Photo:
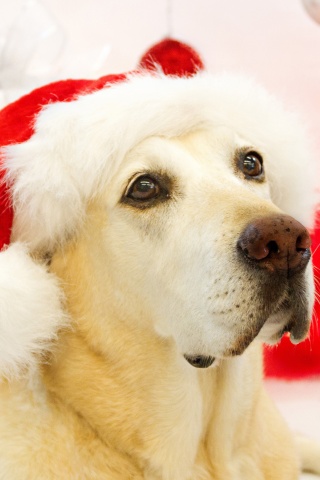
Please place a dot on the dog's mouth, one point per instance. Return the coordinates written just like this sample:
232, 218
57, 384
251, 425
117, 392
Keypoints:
287, 313
291, 318
205, 361
200, 361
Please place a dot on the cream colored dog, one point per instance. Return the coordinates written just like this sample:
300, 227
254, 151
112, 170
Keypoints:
170, 237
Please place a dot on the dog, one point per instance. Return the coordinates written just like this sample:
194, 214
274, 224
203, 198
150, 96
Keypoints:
167, 216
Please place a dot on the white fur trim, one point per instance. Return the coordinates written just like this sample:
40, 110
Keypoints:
79, 145
30, 310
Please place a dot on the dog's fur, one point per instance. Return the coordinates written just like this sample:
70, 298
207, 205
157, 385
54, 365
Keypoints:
115, 398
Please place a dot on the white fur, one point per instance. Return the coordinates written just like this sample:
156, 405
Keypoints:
183, 258
78, 145
30, 310
77, 148
155, 266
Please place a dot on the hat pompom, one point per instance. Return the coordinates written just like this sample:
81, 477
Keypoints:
31, 310
174, 57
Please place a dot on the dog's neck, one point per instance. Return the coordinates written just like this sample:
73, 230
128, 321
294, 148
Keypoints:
129, 384
119, 375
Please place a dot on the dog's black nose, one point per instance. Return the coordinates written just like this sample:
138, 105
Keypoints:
278, 243
199, 361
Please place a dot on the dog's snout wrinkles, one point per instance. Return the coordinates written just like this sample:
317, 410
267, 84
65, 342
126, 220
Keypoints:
277, 243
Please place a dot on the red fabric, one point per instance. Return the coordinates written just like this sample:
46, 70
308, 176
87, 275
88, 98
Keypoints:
17, 126
175, 58
6, 217
289, 361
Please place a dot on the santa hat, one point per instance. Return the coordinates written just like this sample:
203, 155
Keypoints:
62, 142
31, 302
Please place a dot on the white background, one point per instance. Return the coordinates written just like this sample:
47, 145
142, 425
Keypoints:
273, 40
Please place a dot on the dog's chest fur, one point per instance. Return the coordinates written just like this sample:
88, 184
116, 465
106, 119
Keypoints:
160, 413
133, 388
162, 423
117, 401
153, 412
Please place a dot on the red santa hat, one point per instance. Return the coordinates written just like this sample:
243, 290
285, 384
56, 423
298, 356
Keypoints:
31, 302
60, 144
31, 311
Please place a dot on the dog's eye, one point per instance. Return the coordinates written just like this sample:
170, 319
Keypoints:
251, 164
144, 188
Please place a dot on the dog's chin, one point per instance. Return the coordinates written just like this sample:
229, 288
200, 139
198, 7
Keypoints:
200, 361
209, 361
289, 316
270, 333
274, 329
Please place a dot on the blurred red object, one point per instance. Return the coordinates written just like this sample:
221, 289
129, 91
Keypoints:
174, 57
289, 361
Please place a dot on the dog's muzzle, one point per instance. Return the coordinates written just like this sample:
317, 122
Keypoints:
278, 247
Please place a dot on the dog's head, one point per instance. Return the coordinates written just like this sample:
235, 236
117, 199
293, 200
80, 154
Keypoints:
201, 184
212, 259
